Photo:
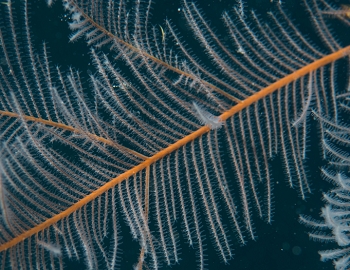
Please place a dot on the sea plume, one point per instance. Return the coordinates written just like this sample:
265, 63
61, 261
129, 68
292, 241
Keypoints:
93, 161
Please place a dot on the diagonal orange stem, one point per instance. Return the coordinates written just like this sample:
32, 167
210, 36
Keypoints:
173, 147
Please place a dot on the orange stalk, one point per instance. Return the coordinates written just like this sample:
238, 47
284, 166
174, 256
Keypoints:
178, 144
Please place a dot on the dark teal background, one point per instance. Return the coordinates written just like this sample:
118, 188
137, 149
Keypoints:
274, 248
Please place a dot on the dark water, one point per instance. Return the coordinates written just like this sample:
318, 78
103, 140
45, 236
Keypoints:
282, 245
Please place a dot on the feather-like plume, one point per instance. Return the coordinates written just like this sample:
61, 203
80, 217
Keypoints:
122, 150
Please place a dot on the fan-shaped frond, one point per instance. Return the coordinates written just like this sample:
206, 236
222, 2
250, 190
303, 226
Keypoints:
145, 141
